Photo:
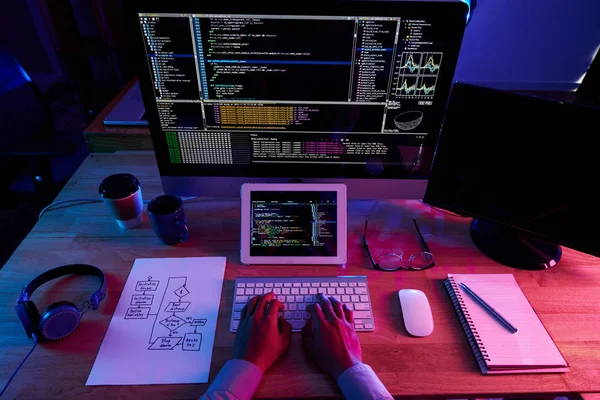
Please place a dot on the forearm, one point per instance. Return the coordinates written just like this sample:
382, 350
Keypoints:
237, 380
359, 382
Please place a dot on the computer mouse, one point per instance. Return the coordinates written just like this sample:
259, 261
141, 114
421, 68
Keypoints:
416, 312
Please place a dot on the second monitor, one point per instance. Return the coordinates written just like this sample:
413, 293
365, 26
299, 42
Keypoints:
338, 91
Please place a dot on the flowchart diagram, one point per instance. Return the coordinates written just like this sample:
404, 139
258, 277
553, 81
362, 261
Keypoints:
172, 328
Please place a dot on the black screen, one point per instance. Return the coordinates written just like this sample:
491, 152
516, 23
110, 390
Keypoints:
297, 95
522, 161
293, 224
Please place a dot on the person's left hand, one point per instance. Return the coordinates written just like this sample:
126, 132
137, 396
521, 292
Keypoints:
262, 337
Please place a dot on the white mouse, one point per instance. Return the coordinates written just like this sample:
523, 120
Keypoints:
416, 312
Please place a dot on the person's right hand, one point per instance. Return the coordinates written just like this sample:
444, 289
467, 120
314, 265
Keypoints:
329, 336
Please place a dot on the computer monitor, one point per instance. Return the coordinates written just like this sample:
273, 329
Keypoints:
526, 168
335, 91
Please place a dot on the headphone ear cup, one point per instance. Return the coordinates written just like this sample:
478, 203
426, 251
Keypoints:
59, 320
29, 316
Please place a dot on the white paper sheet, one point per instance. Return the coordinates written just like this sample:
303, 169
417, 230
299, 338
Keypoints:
163, 329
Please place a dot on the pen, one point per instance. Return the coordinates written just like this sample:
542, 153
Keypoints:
491, 310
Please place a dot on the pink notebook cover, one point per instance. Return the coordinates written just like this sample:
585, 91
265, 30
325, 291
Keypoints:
498, 351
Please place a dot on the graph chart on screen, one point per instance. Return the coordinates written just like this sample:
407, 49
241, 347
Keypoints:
418, 73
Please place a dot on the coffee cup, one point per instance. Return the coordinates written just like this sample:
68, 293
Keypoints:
168, 219
122, 195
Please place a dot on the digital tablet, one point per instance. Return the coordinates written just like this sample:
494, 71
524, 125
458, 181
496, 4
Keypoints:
293, 223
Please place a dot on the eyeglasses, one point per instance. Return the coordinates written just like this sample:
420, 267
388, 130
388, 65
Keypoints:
394, 261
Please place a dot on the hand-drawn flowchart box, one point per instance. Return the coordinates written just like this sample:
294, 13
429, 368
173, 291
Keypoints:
177, 306
137, 313
146, 286
142, 299
192, 341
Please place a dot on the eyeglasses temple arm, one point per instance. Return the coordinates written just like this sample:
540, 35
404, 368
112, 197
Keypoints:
367, 244
423, 241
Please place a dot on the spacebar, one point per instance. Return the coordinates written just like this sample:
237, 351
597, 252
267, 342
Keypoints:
297, 324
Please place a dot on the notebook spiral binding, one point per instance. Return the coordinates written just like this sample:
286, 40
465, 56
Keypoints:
469, 328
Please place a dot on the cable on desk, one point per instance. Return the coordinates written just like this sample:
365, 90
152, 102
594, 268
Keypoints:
50, 207
35, 342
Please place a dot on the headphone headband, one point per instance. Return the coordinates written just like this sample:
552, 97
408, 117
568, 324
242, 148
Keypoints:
81, 269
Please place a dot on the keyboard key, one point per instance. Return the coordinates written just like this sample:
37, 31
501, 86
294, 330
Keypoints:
329, 290
304, 291
281, 299
305, 284
269, 284
285, 291
290, 299
297, 284
364, 298
236, 315
292, 307
278, 284
260, 285
359, 326
345, 299
322, 290
295, 291
361, 306
238, 306
343, 284
339, 290
352, 284
241, 285
360, 290
298, 315
362, 284
258, 291
299, 299
309, 299
324, 284
249, 284
368, 326
240, 291
358, 321
277, 290
338, 298
287, 284
354, 299
349, 290
234, 324
289, 315
241, 299
306, 315
301, 307
363, 314
249, 292
312, 290
333, 284
314, 284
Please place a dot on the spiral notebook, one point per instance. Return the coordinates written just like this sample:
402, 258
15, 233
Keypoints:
498, 351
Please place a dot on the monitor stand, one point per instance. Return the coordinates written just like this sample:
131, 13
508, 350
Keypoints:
514, 247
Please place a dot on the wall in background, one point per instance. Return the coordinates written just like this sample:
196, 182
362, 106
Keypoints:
530, 44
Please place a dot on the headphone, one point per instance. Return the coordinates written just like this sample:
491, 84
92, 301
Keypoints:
60, 319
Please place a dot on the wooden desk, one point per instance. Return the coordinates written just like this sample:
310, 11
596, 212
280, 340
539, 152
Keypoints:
102, 138
567, 298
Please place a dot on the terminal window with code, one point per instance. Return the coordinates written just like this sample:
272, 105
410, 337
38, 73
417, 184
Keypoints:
259, 90
293, 224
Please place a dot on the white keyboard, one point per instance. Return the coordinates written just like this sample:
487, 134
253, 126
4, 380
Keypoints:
297, 292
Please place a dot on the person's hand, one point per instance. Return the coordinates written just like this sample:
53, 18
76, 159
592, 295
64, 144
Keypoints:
329, 336
261, 337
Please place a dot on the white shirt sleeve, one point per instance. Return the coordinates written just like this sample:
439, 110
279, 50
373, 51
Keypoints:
359, 382
237, 380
